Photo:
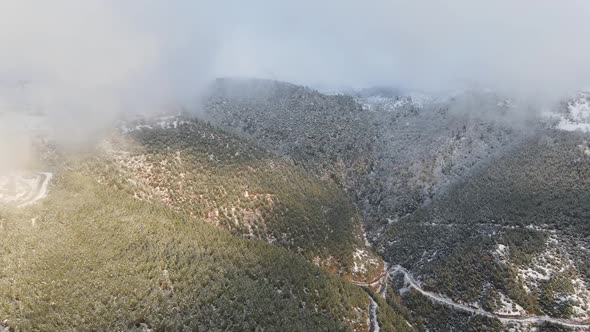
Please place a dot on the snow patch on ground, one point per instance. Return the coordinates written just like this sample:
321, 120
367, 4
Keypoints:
585, 148
359, 261
389, 104
580, 300
501, 253
543, 266
552, 261
509, 307
576, 116
361, 258
162, 122
23, 189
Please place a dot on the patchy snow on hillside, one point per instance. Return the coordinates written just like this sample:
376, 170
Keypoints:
585, 148
14, 188
362, 260
576, 117
507, 307
359, 261
501, 253
389, 104
23, 189
543, 266
553, 262
161, 122
580, 300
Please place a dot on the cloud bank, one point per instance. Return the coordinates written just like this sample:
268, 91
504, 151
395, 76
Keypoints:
85, 62
126, 53
533, 49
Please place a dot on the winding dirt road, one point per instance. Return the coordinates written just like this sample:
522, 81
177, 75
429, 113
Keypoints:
409, 279
21, 189
40, 191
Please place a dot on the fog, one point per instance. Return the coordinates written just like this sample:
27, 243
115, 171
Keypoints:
85, 62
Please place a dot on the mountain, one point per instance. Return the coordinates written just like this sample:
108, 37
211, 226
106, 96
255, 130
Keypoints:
172, 224
276, 207
215, 176
93, 257
392, 161
516, 227
482, 204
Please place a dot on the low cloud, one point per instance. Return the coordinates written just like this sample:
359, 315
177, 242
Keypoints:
85, 62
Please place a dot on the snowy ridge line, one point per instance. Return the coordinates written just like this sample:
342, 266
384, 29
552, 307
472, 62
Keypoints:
409, 279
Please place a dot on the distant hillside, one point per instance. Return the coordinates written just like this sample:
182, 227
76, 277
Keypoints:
392, 161
329, 134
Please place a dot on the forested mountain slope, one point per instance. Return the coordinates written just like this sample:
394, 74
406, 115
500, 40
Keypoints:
483, 207
209, 174
517, 227
328, 135
392, 160
172, 224
95, 258
263, 211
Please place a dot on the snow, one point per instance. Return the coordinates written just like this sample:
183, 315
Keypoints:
584, 148
162, 122
411, 282
24, 189
543, 266
42, 190
373, 103
568, 125
556, 260
580, 300
359, 257
580, 108
533, 275
509, 307
576, 116
501, 253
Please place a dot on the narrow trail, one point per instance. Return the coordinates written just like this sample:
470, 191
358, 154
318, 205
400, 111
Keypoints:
409, 279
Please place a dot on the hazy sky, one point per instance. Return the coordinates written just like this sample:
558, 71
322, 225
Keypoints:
98, 56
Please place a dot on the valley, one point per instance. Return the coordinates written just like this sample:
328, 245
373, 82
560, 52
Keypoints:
402, 216
269, 166
409, 169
